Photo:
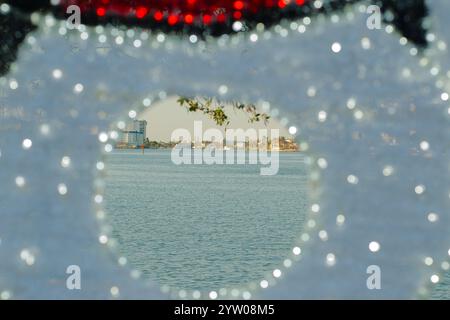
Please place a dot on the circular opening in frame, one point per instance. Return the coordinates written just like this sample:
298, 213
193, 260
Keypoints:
204, 195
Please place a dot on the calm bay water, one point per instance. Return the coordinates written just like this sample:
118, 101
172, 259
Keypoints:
200, 226
442, 290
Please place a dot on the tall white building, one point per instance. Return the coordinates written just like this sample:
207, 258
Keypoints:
134, 134
141, 127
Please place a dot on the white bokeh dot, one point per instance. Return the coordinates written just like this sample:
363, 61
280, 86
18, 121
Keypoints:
315, 208
57, 74
100, 165
276, 273
114, 291
330, 259
374, 246
336, 47
103, 239
78, 88
434, 278
340, 219
419, 189
223, 89
62, 189
213, 295
65, 162
27, 143
20, 181
103, 137
428, 261
432, 217
132, 114
424, 146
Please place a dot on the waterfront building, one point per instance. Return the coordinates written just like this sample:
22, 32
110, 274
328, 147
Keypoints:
133, 135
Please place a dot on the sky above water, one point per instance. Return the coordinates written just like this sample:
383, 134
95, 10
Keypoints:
163, 117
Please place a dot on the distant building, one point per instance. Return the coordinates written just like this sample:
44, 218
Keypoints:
133, 135
122, 139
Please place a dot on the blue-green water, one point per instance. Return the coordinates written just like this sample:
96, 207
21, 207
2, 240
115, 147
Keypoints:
201, 226
442, 290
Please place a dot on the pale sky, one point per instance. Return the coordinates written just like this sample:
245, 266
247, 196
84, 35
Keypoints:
165, 116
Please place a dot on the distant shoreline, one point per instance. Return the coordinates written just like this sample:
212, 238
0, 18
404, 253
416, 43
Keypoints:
284, 145
137, 148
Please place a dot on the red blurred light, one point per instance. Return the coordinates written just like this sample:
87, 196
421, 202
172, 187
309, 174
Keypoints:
221, 18
238, 5
173, 19
158, 16
181, 11
207, 19
189, 18
101, 11
141, 12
